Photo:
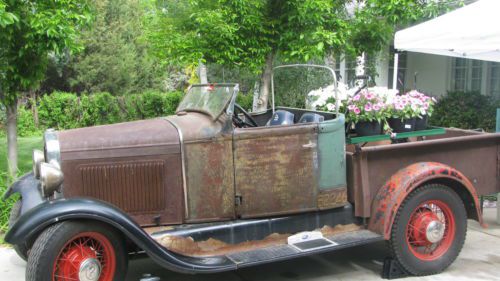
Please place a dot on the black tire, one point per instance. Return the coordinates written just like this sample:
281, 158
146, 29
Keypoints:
50, 244
21, 249
403, 252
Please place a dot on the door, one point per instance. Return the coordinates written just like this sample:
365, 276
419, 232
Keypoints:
276, 169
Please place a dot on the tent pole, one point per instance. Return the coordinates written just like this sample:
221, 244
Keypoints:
395, 73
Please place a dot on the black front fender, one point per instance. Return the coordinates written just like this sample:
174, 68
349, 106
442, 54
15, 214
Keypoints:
32, 223
28, 187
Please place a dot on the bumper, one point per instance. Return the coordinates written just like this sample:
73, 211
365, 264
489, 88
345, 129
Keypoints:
28, 187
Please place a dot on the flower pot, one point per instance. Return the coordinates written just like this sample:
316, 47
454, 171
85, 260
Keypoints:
366, 128
421, 123
402, 126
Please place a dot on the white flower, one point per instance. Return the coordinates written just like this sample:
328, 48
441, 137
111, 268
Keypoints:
330, 106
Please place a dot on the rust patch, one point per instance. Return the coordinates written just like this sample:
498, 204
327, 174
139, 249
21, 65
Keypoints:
213, 247
210, 184
275, 170
333, 198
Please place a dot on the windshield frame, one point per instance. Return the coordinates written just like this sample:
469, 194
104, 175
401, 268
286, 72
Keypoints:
228, 105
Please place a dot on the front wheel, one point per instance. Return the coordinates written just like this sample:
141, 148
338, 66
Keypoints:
429, 230
77, 251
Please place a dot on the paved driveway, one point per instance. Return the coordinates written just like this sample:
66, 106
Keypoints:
479, 260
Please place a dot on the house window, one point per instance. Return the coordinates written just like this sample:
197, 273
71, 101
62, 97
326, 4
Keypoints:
402, 58
494, 79
467, 75
350, 69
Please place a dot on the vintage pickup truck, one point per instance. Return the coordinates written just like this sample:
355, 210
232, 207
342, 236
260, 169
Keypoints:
215, 188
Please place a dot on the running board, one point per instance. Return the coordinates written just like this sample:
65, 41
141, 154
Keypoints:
303, 248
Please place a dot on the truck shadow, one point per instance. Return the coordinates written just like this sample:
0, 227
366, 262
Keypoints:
354, 263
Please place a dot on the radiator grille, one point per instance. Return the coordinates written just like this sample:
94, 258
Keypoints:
136, 187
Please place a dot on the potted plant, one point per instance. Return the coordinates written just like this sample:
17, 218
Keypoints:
367, 111
425, 108
403, 112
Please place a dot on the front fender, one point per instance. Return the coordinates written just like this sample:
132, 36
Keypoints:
28, 187
392, 194
39, 218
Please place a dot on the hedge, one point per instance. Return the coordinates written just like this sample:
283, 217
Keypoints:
62, 110
466, 110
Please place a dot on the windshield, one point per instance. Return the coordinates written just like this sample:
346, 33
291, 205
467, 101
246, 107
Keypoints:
209, 99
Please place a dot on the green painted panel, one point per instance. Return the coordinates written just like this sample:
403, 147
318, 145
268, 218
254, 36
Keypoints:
331, 150
498, 120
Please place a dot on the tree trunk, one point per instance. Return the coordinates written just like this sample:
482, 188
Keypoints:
202, 72
12, 137
265, 86
34, 108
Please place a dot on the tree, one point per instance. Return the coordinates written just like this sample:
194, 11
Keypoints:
115, 58
33, 29
253, 33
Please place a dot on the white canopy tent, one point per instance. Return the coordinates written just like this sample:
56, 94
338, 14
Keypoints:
471, 32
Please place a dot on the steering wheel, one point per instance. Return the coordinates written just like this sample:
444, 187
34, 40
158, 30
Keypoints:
240, 123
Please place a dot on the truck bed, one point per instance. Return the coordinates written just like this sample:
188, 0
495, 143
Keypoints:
475, 154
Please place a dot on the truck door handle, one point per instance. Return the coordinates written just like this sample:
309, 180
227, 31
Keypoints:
309, 145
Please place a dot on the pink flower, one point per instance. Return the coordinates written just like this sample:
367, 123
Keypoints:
356, 97
357, 111
376, 107
351, 107
368, 107
399, 106
369, 96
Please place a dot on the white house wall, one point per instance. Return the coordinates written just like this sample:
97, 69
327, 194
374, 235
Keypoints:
433, 73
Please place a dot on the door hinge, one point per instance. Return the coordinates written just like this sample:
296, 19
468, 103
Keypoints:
238, 200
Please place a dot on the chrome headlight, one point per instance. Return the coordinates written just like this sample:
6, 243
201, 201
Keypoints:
51, 177
38, 158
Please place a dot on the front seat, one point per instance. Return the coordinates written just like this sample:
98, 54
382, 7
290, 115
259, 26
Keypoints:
281, 117
310, 117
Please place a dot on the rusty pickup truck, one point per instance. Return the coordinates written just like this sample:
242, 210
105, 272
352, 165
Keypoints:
215, 188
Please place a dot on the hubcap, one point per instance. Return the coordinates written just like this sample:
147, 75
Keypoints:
435, 231
90, 270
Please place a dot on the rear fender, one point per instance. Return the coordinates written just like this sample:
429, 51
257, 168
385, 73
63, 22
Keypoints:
390, 197
31, 224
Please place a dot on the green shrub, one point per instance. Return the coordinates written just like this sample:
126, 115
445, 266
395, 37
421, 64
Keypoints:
151, 104
99, 109
466, 110
6, 205
59, 110
245, 100
26, 123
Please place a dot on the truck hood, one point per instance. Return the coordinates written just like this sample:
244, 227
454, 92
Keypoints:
138, 138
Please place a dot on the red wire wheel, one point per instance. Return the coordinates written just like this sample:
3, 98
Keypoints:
87, 256
431, 229
78, 251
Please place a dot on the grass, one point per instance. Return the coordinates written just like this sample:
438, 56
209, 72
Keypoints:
25, 147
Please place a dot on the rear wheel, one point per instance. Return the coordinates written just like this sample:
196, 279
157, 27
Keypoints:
77, 251
15, 213
429, 230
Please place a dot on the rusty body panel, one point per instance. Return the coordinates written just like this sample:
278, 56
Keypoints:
276, 169
401, 184
139, 173
471, 153
209, 172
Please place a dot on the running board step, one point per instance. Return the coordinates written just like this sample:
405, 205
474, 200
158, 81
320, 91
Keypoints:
304, 248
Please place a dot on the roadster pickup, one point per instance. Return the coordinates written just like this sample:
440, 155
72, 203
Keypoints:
216, 188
